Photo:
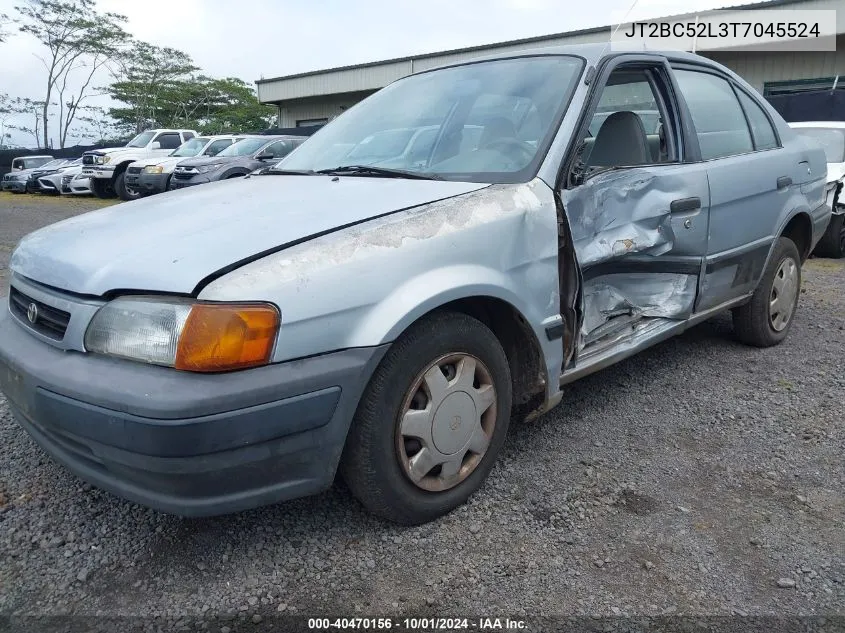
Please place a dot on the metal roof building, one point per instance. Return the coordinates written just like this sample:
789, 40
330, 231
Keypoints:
315, 97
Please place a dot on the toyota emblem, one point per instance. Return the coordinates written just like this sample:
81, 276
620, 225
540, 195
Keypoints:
32, 313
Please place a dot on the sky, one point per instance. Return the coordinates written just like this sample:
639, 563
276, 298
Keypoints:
251, 39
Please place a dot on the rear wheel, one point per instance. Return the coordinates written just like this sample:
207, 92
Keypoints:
431, 421
124, 191
101, 188
832, 243
765, 320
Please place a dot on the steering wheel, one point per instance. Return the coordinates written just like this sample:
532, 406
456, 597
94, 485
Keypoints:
505, 143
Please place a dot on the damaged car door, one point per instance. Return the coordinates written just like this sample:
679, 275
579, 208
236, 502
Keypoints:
637, 212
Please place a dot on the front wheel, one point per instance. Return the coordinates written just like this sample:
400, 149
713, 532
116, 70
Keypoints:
101, 188
124, 191
765, 320
431, 421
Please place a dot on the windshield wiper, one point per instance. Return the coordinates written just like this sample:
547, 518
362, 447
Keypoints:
270, 171
366, 170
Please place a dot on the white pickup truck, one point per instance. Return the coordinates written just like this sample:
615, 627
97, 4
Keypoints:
107, 167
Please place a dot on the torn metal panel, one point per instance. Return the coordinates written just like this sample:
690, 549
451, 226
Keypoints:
634, 295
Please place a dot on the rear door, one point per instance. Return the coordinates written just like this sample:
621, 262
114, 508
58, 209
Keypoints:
637, 206
750, 175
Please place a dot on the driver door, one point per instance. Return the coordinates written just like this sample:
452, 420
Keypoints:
637, 210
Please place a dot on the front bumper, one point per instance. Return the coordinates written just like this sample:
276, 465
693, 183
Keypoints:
98, 171
13, 185
152, 183
179, 183
184, 443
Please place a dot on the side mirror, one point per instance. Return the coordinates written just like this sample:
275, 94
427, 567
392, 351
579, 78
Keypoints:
265, 156
209, 152
155, 145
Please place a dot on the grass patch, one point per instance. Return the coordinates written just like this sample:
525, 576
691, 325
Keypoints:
7, 198
822, 263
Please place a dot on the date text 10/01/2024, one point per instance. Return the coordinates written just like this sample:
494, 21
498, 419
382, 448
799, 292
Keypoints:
417, 624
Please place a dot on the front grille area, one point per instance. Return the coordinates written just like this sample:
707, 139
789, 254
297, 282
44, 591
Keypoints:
50, 322
133, 170
87, 159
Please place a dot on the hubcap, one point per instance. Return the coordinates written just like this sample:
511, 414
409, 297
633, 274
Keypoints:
784, 293
446, 422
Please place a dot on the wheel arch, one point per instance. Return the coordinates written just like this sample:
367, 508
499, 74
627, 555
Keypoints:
799, 228
521, 343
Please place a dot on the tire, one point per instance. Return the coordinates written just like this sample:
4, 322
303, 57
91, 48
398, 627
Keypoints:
377, 459
124, 193
755, 323
832, 243
101, 189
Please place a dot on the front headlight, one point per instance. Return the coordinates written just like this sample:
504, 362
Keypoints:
153, 169
106, 159
185, 334
204, 169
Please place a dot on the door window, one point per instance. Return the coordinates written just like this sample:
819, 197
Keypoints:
762, 132
217, 146
718, 118
627, 126
169, 140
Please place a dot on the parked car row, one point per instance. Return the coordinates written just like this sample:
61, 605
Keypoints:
47, 175
158, 160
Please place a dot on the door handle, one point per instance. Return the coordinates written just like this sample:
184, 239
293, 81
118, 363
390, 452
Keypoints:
685, 204
784, 182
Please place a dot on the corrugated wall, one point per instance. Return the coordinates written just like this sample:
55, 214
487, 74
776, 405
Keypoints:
758, 67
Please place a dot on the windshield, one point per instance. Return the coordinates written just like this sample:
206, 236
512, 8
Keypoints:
141, 140
190, 148
482, 122
30, 163
244, 146
53, 163
832, 140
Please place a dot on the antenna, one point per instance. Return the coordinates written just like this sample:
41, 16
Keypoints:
624, 19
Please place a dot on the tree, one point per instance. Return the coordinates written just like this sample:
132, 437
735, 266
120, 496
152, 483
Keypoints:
4, 22
212, 105
99, 127
149, 77
31, 108
234, 107
80, 41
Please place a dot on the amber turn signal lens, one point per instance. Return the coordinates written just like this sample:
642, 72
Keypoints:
221, 337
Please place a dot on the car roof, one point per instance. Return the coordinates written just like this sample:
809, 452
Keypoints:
823, 124
592, 53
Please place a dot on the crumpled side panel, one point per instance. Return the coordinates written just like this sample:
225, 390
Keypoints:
626, 214
664, 295
621, 213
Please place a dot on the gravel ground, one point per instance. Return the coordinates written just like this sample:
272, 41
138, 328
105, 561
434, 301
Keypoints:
700, 477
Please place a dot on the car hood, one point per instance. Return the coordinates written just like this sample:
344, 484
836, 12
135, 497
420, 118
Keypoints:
111, 150
210, 160
171, 242
155, 160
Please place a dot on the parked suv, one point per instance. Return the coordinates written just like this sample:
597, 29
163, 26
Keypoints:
152, 175
390, 320
241, 158
107, 167
29, 162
